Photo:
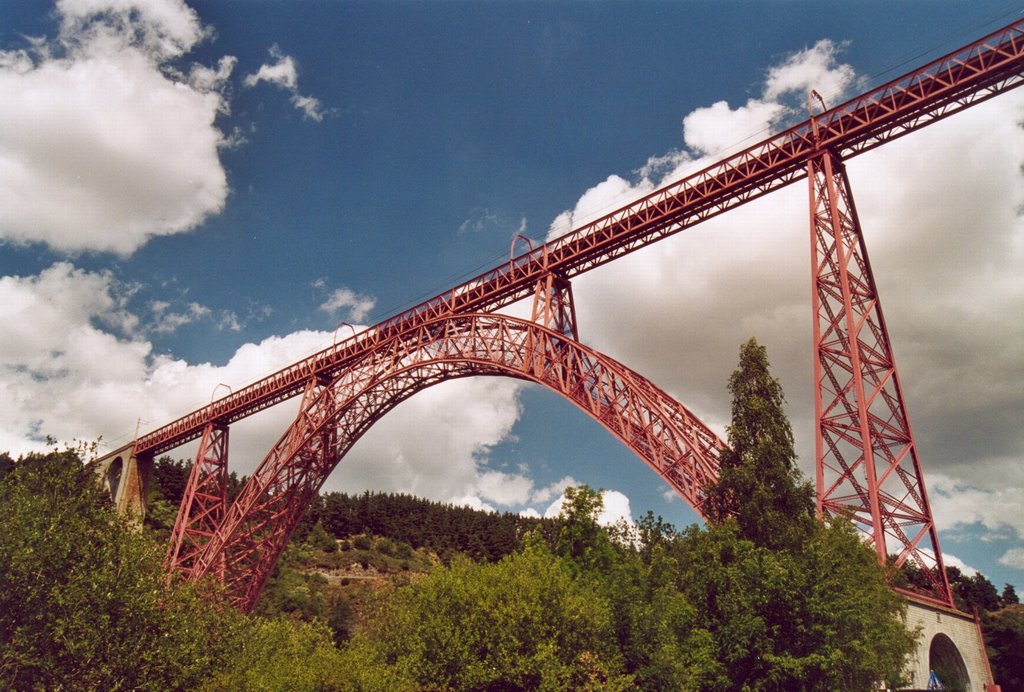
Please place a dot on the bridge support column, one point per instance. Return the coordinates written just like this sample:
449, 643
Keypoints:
204, 503
126, 478
951, 646
866, 459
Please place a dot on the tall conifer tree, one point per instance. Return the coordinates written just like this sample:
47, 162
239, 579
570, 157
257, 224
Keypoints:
759, 483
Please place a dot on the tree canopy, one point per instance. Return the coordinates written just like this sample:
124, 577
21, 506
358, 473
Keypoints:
84, 602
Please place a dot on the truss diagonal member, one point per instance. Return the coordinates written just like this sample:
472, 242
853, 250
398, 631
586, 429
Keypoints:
662, 432
204, 503
864, 443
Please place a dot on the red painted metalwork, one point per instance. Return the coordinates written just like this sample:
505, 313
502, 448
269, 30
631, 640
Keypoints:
662, 432
203, 505
867, 465
967, 76
868, 468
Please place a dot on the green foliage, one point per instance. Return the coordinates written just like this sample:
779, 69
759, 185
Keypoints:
1004, 636
84, 602
580, 538
319, 539
170, 478
819, 618
444, 529
759, 483
970, 592
81, 597
1009, 595
523, 623
279, 655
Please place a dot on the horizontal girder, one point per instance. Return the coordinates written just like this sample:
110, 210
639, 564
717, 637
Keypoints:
956, 81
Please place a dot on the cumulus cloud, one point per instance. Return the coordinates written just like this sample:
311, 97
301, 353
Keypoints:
1014, 557
284, 73
959, 503
940, 210
713, 131
165, 29
104, 146
814, 68
345, 302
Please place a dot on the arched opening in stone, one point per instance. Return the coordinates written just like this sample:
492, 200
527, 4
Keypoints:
945, 661
113, 477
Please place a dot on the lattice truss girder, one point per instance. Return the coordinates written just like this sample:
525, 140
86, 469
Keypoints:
969, 75
867, 464
204, 503
333, 416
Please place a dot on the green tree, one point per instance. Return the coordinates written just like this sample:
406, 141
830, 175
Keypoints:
278, 655
791, 604
84, 602
580, 538
525, 622
759, 484
81, 597
1009, 595
1004, 636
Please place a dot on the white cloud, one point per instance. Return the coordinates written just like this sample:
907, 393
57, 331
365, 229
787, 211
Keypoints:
165, 28
103, 147
1014, 557
812, 68
718, 128
73, 364
356, 306
543, 495
958, 504
953, 561
604, 197
284, 73
166, 321
311, 107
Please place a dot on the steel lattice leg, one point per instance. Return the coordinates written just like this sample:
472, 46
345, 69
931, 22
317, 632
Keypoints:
204, 504
867, 465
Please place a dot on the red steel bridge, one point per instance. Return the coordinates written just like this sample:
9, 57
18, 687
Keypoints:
867, 465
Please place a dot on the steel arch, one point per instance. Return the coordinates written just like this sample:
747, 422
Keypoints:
335, 414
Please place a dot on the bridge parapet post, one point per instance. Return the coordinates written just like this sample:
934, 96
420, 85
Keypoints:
126, 477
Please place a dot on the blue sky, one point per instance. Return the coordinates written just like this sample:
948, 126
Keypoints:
194, 195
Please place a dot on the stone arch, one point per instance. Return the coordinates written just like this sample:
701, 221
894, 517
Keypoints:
334, 415
112, 478
945, 660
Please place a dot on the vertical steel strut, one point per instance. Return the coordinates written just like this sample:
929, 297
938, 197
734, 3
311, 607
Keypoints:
203, 505
867, 468
553, 306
